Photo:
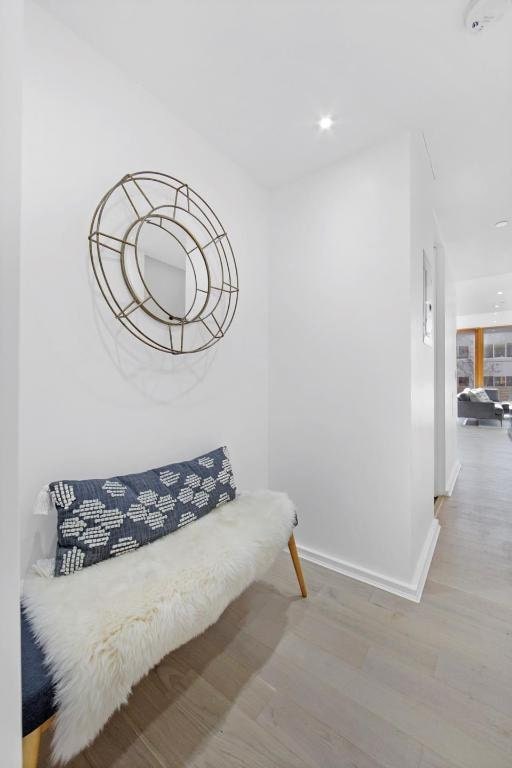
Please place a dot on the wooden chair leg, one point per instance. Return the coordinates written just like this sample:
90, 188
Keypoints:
31, 743
296, 564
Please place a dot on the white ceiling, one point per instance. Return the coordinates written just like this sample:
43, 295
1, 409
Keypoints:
254, 76
481, 295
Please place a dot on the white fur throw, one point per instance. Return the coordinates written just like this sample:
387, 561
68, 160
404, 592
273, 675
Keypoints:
103, 628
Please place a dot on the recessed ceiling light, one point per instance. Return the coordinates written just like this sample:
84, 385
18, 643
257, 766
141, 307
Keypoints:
496, 306
502, 223
325, 123
500, 293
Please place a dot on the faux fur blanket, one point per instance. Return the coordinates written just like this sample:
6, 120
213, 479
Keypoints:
102, 629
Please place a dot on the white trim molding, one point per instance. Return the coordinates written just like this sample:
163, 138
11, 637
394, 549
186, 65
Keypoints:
409, 590
453, 478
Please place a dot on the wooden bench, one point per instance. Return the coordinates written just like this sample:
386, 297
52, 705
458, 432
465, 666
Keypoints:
37, 694
38, 704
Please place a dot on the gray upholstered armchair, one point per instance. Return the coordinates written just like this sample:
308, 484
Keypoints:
468, 409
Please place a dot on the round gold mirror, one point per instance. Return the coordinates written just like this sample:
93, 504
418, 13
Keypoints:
164, 263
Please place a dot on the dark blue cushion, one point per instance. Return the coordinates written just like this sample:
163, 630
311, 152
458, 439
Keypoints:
37, 686
98, 519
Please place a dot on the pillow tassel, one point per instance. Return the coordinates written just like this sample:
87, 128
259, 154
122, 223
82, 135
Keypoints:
44, 504
44, 567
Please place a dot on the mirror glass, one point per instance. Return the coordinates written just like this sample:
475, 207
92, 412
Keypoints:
163, 262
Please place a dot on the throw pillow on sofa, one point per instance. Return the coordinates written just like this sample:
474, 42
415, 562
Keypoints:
479, 395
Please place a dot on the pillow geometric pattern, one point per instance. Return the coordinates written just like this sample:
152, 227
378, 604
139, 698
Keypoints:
98, 519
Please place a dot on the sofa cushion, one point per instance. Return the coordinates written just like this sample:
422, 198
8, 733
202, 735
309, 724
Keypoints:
493, 394
479, 395
98, 519
464, 395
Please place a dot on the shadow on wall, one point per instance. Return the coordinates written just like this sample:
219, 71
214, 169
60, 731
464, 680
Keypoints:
145, 369
161, 378
182, 704
43, 537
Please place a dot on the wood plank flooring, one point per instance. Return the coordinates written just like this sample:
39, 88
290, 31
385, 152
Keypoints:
352, 676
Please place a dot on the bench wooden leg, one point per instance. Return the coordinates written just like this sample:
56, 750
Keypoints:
31, 743
296, 564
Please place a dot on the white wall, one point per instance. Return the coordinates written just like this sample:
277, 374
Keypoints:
452, 460
11, 43
344, 353
422, 427
351, 381
485, 319
93, 401
447, 464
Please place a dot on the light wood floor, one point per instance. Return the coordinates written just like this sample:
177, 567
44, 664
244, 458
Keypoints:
352, 677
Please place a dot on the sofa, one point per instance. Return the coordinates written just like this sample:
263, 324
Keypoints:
478, 409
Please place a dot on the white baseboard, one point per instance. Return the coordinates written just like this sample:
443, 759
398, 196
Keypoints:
453, 478
409, 590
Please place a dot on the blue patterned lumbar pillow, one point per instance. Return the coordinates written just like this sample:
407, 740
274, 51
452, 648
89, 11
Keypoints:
98, 519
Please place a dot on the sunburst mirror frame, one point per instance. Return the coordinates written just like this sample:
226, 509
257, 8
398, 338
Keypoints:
157, 199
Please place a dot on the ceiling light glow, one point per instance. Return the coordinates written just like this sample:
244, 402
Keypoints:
325, 123
500, 293
502, 223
